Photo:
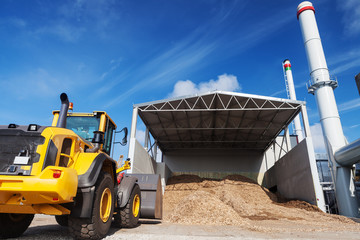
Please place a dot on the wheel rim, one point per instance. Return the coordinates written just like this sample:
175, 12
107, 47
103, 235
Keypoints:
136, 205
105, 205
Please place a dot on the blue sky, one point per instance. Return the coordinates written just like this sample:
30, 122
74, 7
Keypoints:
109, 55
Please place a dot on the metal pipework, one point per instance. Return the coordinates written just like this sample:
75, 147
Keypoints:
349, 154
322, 87
290, 81
97, 141
63, 111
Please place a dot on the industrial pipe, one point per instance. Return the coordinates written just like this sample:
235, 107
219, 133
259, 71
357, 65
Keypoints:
349, 154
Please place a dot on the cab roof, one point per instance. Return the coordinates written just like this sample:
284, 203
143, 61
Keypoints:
94, 113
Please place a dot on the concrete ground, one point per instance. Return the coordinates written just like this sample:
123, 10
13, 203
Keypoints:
45, 227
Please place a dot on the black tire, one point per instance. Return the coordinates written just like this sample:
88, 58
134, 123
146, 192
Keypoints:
128, 217
95, 227
14, 225
62, 220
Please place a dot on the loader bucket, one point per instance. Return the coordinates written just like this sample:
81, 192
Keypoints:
151, 195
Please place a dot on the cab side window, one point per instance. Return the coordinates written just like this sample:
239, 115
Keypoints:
108, 137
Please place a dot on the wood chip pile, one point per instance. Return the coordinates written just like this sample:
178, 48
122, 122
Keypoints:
239, 201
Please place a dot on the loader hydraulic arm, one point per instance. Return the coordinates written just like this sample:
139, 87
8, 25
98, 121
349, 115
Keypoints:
126, 166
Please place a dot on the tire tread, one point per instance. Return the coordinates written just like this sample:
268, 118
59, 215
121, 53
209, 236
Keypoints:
12, 229
85, 228
126, 218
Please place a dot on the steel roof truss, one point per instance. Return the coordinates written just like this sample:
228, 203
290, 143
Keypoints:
222, 118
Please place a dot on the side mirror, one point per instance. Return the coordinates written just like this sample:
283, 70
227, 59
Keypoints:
124, 140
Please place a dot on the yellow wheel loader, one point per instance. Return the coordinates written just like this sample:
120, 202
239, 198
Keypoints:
66, 170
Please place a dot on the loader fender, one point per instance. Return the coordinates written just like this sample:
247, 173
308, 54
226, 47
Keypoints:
125, 188
86, 186
89, 178
83, 202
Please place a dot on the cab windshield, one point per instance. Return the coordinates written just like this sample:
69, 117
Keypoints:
83, 126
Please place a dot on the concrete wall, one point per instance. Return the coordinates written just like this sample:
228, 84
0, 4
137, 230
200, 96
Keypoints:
278, 150
294, 175
214, 163
165, 173
140, 160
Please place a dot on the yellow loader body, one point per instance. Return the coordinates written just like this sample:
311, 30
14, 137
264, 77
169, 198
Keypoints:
65, 170
44, 187
38, 194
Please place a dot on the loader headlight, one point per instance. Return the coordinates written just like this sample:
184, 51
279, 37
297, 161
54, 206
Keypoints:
33, 127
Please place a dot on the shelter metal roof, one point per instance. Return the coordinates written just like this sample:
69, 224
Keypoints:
218, 120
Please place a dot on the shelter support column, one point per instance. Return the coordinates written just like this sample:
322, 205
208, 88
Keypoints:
131, 153
134, 122
287, 137
305, 121
146, 140
155, 150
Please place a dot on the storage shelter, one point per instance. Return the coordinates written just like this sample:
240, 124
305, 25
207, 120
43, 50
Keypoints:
220, 133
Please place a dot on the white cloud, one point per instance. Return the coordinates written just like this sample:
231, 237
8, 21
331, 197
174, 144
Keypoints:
345, 61
95, 16
71, 20
37, 82
140, 136
189, 53
349, 105
224, 82
115, 64
350, 64
355, 126
351, 19
318, 138
280, 92
352, 54
18, 22
183, 88
64, 31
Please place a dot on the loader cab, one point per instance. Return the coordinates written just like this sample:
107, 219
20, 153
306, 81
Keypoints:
85, 124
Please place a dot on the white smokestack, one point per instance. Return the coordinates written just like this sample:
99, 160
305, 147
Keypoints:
290, 82
321, 86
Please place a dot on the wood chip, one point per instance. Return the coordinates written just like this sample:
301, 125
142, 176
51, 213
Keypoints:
239, 201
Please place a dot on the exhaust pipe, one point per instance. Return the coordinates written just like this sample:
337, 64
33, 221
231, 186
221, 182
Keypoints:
97, 141
63, 111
